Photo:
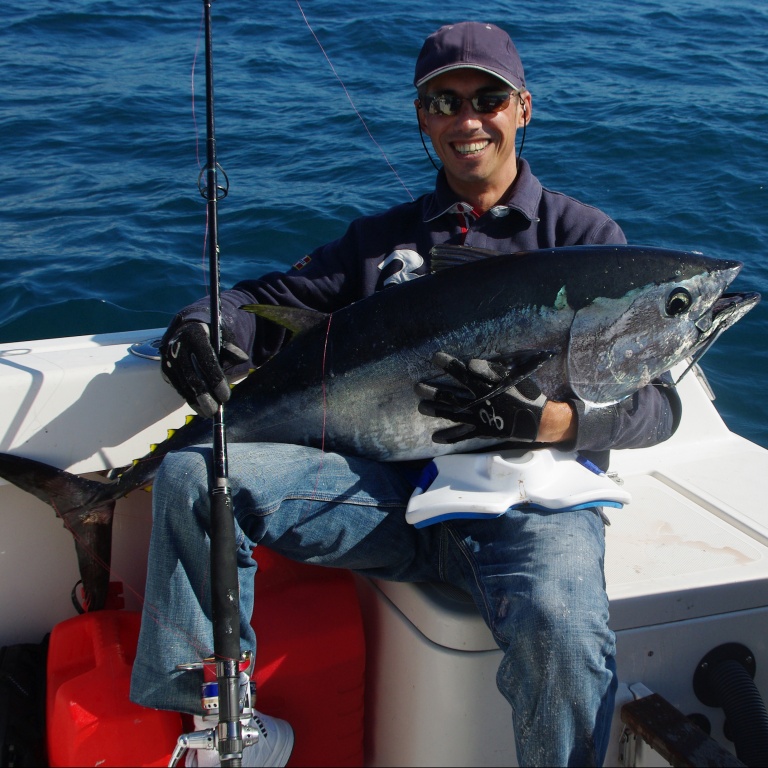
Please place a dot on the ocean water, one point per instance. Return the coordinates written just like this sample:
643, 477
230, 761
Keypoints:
655, 111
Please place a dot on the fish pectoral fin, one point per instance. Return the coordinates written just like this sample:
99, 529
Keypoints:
520, 365
295, 319
523, 363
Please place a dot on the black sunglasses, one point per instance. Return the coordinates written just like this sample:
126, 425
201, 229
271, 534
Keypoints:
449, 104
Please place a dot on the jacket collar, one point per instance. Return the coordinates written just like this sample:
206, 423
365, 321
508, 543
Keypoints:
524, 197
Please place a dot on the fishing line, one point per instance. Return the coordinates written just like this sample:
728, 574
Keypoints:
325, 415
405, 187
192, 86
402, 183
322, 372
351, 101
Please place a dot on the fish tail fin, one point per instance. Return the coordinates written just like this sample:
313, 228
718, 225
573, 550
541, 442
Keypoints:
86, 508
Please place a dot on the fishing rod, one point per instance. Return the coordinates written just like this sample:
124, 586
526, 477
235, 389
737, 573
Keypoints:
225, 592
229, 737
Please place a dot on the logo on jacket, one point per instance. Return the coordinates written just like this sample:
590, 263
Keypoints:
408, 262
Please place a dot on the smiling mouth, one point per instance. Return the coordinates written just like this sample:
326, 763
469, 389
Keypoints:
472, 148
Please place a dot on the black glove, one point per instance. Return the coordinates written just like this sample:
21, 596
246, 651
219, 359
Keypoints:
189, 365
493, 402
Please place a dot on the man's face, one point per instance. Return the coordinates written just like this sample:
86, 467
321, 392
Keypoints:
477, 150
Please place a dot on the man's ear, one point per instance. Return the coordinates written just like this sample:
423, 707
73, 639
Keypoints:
421, 116
524, 111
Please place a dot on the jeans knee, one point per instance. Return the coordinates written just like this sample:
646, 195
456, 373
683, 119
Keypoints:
181, 482
188, 467
555, 648
551, 623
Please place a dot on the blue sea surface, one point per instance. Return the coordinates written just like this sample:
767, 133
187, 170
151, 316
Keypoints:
654, 111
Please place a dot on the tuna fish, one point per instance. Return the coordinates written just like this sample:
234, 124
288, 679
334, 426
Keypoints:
611, 319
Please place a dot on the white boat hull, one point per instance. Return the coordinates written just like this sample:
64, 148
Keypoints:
686, 567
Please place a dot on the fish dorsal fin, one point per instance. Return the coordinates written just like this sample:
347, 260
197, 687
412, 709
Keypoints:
445, 256
294, 319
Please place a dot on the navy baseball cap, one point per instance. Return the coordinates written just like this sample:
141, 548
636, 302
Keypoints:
472, 45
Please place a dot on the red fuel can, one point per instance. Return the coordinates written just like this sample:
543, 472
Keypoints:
310, 665
89, 719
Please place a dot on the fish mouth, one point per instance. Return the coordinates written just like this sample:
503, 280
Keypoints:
725, 312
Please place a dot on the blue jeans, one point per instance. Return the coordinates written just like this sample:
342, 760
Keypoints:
536, 577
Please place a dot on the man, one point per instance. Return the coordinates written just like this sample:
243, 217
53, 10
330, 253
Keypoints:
537, 578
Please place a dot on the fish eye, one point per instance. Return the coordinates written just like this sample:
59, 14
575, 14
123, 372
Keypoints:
678, 301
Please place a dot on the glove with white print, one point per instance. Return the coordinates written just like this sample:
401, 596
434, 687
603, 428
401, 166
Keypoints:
188, 363
485, 406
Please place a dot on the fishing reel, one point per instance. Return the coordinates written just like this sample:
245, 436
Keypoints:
211, 738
